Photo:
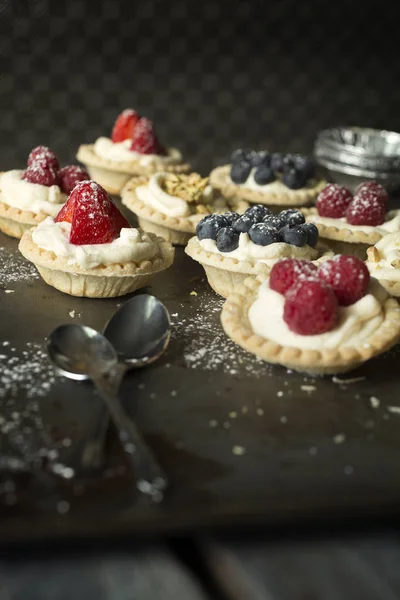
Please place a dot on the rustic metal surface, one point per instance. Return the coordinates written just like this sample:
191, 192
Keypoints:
242, 442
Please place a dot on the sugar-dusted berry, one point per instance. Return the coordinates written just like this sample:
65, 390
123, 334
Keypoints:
263, 235
367, 208
44, 156
372, 186
287, 272
41, 174
125, 125
333, 201
310, 308
227, 239
348, 277
209, 226
71, 175
144, 138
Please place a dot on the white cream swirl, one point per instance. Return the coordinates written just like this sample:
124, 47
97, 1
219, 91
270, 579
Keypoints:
248, 250
32, 197
120, 152
388, 264
132, 245
356, 323
391, 224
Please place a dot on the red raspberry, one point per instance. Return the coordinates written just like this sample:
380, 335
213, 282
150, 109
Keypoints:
372, 186
367, 208
71, 175
44, 156
286, 272
40, 173
348, 277
144, 138
310, 308
333, 201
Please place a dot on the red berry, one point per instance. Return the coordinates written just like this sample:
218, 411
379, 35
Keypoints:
310, 308
93, 216
44, 156
125, 125
71, 175
367, 208
144, 139
372, 186
286, 272
333, 201
40, 173
348, 277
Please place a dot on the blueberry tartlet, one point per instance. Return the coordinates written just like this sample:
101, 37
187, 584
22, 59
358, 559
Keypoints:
133, 149
322, 320
231, 247
172, 204
276, 180
350, 223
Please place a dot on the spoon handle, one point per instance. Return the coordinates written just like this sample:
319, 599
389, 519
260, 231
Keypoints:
151, 480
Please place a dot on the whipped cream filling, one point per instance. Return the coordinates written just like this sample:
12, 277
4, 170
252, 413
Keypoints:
275, 186
132, 245
248, 250
356, 323
388, 265
391, 224
153, 195
32, 197
120, 152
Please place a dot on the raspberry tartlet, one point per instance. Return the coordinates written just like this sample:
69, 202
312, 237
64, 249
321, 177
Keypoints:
231, 247
29, 196
90, 249
277, 180
133, 149
319, 321
349, 223
171, 204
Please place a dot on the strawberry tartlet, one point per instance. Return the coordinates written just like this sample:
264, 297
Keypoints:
320, 321
89, 249
350, 223
133, 149
29, 196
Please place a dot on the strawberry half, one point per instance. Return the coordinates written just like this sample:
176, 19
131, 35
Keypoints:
93, 216
125, 125
145, 140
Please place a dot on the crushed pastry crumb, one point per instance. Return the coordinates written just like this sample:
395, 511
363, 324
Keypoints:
238, 450
375, 402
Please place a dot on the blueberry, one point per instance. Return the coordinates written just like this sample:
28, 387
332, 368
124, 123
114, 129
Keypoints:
288, 161
243, 224
261, 158
263, 175
240, 171
208, 227
305, 165
227, 239
277, 162
296, 236
293, 179
311, 232
231, 217
239, 156
263, 235
291, 217
258, 212
274, 221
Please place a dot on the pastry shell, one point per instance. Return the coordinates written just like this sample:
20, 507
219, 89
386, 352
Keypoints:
224, 274
392, 286
98, 282
220, 179
14, 221
235, 321
113, 175
177, 230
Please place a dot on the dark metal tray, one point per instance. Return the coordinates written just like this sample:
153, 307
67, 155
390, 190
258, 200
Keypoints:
242, 442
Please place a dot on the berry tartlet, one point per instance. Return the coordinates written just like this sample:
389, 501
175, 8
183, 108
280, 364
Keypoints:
133, 149
384, 262
276, 180
29, 196
90, 249
231, 247
171, 204
319, 321
349, 223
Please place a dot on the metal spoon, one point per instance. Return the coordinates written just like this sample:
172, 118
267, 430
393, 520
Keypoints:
80, 352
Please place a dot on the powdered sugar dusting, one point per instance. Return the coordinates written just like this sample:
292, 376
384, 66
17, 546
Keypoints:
205, 345
14, 268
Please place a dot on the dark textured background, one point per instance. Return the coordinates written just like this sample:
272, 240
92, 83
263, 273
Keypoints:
213, 74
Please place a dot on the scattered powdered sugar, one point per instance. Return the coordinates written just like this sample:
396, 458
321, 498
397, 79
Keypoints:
207, 347
14, 268
28, 371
